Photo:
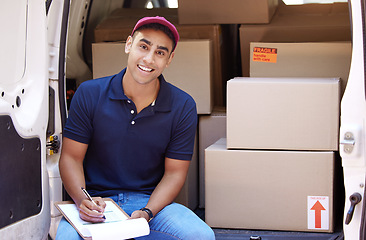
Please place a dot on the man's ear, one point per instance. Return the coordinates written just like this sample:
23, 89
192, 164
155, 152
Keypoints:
170, 59
128, 44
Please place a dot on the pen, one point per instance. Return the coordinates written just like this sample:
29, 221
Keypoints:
89, 197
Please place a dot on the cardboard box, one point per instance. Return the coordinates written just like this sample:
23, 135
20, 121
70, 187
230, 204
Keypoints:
304, 23
210, 129
283, 113
188, 196
226, 12
190, 70
321, 59
312, 8
269, 190
118, 26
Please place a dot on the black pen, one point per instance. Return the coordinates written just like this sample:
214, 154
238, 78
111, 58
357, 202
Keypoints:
90, 198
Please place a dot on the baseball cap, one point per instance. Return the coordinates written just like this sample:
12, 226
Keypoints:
159, 20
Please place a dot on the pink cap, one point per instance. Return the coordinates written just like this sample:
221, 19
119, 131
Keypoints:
159, 20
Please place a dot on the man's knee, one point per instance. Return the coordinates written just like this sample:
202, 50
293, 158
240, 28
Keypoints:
203, 233
66, 232
199, 230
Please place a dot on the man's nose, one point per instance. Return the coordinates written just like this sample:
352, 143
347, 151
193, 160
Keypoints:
149, 57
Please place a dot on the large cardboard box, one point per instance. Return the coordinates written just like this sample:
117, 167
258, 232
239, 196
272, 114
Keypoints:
269, 190
304, 23
226, 11
283, 113
319, 59
210, 129
190, 70
118, 26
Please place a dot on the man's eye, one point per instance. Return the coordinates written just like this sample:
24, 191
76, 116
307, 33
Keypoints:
161, 53
143, 47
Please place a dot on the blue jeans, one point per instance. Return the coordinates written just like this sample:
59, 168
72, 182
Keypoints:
175, 221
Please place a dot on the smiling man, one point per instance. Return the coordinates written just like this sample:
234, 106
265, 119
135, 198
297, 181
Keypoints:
130, 137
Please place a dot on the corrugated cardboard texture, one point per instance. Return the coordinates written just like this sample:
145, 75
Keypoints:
266, 189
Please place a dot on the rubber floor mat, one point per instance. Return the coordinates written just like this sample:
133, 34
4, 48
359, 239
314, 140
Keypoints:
227, 234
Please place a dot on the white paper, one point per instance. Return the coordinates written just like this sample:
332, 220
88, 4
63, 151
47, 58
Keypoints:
120, 230
116, 226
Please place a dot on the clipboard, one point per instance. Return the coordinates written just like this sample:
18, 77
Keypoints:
116, 226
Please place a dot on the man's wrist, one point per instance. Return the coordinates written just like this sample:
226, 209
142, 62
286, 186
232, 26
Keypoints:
149, 212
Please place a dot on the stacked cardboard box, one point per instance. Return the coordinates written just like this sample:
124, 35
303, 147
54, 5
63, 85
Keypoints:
283, 113
301, 59
275, 170
297, 23
269, 190
226, 12
210, 129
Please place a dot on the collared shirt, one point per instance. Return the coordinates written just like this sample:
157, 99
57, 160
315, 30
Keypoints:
126, 150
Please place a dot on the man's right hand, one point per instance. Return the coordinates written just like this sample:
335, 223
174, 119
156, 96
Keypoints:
90, 212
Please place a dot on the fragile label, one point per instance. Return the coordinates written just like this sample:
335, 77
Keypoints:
318, 212
263, 54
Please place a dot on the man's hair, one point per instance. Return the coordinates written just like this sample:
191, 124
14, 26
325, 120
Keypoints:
159, 27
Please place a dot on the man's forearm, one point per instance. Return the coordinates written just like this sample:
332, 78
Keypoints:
71, 168
73, 179
170, 185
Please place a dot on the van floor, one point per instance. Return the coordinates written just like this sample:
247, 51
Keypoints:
244, 234
230, 234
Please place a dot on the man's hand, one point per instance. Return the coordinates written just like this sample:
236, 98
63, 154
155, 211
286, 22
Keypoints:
140, 214
90, 212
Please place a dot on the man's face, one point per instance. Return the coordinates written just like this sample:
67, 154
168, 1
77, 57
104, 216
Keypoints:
149, 54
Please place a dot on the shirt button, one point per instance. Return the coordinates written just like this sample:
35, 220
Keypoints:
132, 111
133, 122
128, 101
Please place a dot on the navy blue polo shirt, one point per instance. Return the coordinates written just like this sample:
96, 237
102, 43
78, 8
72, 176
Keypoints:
126, 151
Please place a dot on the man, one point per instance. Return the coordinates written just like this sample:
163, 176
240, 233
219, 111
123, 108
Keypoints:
130, 137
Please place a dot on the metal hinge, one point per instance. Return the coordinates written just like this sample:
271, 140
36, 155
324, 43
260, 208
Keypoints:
348, 142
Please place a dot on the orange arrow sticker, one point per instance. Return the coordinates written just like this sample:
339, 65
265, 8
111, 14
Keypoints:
318, 208
318, 212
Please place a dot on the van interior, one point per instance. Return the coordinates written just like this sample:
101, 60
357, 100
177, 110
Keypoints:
299, 39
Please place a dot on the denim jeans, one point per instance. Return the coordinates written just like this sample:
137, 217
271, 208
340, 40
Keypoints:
175, 221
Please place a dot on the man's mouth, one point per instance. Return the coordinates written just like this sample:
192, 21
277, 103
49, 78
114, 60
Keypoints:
146, 69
